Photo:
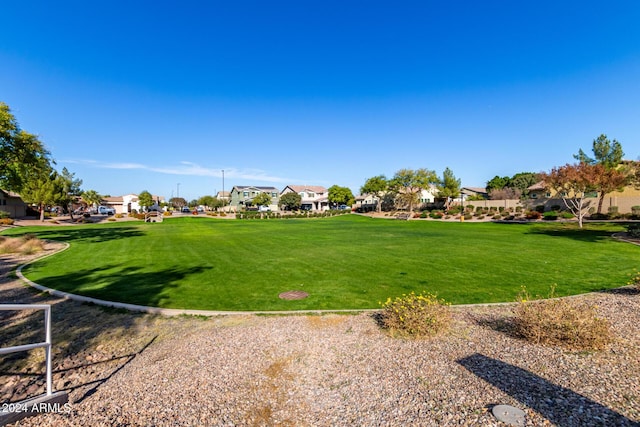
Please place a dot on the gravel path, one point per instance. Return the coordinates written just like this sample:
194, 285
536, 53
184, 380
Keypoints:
134, 369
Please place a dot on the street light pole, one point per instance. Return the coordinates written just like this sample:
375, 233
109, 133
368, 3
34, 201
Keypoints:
224, 201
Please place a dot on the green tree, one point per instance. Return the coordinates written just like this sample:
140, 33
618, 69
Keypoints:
70, 190
523, 180
217, 203
145, 199
291, 201
408, 183
42, 190
207, 201
340, 196
262, 199
608, 154
497, 183
448, 187
91, 198
376, 186
21, 153
177, 202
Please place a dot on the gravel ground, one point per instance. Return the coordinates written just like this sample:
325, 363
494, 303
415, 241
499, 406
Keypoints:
132, 369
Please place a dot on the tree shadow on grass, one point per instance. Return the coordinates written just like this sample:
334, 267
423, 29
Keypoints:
88, 234
590, 235
560, 405
133, 285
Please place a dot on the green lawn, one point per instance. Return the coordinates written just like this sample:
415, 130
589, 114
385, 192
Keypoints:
342, 262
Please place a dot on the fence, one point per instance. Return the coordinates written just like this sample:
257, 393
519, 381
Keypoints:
26, 347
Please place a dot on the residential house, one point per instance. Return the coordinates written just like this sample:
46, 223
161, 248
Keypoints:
11, 203
428, 195
621, 201
223, 195
367, 202
130, 202
242, 196
474, 192
314, 197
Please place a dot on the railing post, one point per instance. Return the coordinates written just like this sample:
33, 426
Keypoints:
47, 324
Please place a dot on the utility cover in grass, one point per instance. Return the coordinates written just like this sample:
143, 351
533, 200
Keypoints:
293, 295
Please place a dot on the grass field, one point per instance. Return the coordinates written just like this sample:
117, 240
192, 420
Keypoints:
342, 262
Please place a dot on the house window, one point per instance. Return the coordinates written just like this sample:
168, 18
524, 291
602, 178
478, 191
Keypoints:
548, 195
534, 195
274, 194
245, 194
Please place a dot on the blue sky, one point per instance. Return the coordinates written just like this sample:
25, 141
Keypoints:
164, 96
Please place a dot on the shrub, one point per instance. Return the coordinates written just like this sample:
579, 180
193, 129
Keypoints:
468, 216
25, 245
533, 215
550, 216
412, 315
566, 322
633, 230
539, 208
6, 221
4, 214
635, 210
497, 216
566, 215
436, 214
635, 280
31, 246
598, 216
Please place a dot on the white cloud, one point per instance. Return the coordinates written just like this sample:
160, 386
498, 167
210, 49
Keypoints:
185, 168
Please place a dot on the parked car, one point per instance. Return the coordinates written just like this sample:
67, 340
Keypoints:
344, 207
106, 210
264, 209
185, 209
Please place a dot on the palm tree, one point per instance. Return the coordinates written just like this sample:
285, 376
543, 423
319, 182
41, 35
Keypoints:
91, 198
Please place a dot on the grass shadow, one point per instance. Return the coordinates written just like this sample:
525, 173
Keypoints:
89, 234
133, 285
589, 234
560, 405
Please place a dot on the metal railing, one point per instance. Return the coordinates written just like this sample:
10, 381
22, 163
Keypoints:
26, 347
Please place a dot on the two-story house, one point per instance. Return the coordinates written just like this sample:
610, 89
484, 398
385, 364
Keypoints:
242, 196
314, 197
